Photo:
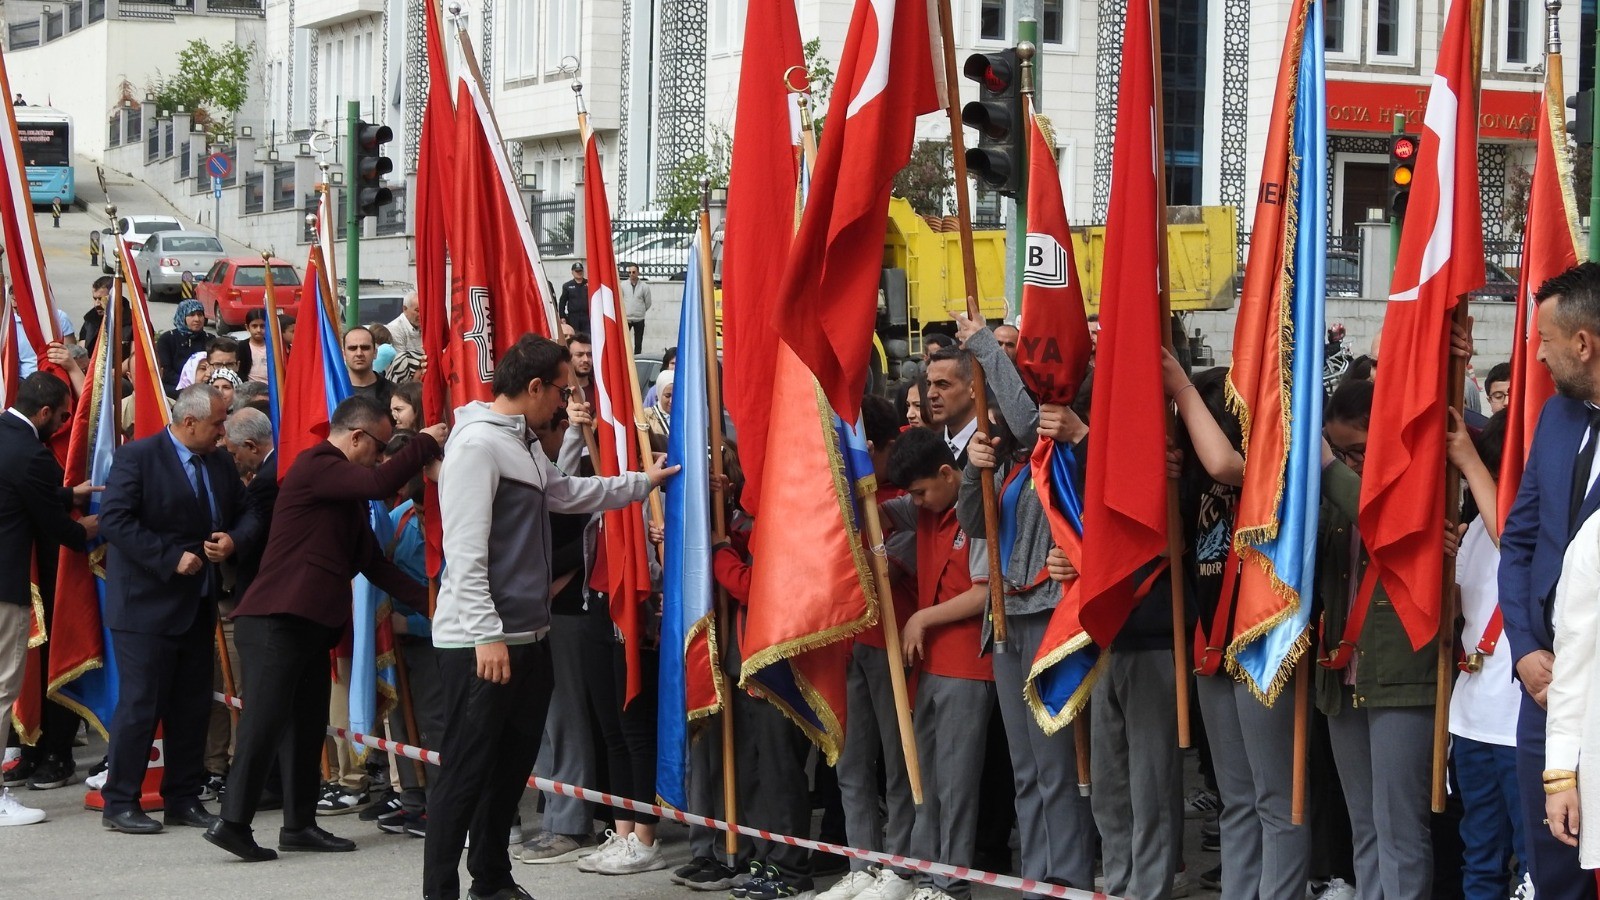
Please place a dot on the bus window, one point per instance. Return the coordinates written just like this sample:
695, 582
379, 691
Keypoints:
44, 143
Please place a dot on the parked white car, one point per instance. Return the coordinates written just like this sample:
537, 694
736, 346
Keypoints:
137, 230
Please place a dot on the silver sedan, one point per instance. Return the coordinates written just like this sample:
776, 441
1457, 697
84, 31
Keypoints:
168, 256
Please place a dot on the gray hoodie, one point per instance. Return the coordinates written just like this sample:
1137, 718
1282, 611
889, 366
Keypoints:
496, 491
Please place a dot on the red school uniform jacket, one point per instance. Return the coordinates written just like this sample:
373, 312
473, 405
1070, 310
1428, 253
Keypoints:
948, 562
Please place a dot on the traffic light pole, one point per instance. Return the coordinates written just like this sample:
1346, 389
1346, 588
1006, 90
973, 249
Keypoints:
1017, 225
352, 215
1394, 220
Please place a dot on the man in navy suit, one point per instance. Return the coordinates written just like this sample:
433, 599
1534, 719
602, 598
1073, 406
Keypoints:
1556, 495
173, 509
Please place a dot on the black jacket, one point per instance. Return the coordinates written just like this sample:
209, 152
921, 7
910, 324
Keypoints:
173, 349
262, 494
574, 304
34, 508
150, 516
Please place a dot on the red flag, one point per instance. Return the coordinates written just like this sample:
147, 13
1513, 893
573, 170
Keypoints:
150, 410
1549, 247
498, 288
1439, 262
435, 163
1125, 490
10, 361
1053, 347
758, 231
829, 300
305, 407
622, 531
24, 256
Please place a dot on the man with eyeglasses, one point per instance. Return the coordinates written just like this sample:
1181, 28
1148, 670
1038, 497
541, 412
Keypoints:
1497, 387
298, 608
496, 493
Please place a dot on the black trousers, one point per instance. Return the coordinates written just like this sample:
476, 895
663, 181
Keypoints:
491, 738
637, 327
285, 717
638, 732
162, 678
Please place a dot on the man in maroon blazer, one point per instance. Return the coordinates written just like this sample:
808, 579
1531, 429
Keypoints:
296, 610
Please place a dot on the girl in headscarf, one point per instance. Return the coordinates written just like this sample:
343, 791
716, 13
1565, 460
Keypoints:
226, 381
187, 337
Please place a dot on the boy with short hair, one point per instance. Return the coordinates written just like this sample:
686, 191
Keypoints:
956, 688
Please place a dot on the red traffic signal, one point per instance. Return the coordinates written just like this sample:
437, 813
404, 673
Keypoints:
1000, 157
1405, 146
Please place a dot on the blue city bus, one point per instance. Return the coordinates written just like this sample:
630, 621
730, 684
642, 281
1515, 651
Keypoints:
46, 137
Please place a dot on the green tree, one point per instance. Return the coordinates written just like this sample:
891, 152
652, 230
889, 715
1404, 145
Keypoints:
680, 196
928, 179
211, 82
819, 74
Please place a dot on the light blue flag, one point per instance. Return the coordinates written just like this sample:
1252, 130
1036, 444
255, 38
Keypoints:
690, 684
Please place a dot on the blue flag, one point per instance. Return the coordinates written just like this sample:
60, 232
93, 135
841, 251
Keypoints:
691, 683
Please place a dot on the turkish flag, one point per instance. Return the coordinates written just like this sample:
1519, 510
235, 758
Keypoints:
829, 300
24, 256
1125, 489
1549, 247
626, 578
1439, 262
435, 163
150, 410
498, 288
757, 235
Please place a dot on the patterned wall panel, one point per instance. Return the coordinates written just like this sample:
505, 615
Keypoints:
682, 113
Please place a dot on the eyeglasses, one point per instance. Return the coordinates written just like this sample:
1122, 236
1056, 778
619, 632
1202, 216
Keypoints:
1499, 395
566, 392
1348, 454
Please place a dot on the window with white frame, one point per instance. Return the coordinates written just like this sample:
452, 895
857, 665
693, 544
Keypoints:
1052, 21
726, 25
1340, 18
562, 20
1515, 34
994, 21
1391, 30
520, 58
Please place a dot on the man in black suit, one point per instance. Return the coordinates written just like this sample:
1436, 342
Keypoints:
34, 519
172, 511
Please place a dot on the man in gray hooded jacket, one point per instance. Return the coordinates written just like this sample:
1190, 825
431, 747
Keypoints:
496, 491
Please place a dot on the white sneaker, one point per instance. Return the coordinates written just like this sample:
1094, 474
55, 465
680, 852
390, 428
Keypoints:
633, 858
96, 781
889, 886
1524, 890
1338, 889
1182, 885
930, 893
14, 813
613, 843
851, 886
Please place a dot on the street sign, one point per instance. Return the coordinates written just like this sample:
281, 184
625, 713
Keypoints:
219, 165
216, 187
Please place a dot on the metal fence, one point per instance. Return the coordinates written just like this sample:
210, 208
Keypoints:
254, 192
1345, 253
282, 187
553, 222
392, 216
21, 35
659, 248
97, 10
185, 160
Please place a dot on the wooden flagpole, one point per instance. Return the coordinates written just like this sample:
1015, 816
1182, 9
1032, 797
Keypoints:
969, 270
1302, 719
872, 525
1455, 391
274, 327
408, 711
1180, 650
719, 516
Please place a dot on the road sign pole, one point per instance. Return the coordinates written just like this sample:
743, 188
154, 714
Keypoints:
352, 220
216, 215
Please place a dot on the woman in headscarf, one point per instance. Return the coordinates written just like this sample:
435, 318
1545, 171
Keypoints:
195, 371
226, 381
187, 337
660, 415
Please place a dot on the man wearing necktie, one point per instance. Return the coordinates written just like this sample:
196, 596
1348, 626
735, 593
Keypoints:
1555, 498
173, 510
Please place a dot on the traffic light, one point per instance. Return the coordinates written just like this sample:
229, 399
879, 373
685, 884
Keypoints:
371, 166
1000, 159
1402, 163
1582, 125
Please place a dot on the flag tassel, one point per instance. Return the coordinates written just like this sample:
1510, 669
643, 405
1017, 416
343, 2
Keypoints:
719, 523
969, 271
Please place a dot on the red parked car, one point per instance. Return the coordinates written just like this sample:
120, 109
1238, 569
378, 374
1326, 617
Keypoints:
234, 286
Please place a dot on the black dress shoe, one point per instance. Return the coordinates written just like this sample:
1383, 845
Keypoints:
131, 821
238, 840
194, 815
313, 840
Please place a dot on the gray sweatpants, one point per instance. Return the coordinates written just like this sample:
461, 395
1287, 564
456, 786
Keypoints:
1055, 822
873, 733
1264, 856
1137, 774
1384, 758
952, 724
568, 751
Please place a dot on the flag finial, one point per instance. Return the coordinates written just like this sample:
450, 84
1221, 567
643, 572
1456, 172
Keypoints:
1552, 9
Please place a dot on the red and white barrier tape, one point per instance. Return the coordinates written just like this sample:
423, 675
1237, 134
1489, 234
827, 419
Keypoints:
1008, 882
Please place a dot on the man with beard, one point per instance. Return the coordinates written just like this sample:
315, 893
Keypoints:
1556, 496
582, 349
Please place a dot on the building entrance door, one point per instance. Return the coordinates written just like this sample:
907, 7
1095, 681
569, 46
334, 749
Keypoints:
1361, 182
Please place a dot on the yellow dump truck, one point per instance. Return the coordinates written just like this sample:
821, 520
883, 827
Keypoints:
922, 280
